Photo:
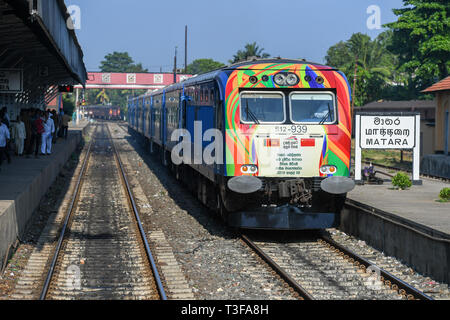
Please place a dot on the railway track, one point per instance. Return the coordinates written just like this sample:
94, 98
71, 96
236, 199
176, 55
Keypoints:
382, 166
102, 251
319, 268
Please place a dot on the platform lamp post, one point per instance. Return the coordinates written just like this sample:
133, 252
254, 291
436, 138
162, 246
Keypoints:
77, 106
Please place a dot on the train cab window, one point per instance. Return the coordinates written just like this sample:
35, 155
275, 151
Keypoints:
263, 107
318, 107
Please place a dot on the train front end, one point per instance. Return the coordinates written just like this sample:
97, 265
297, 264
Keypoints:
287, 146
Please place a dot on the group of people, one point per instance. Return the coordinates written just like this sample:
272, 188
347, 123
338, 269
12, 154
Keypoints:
35, 131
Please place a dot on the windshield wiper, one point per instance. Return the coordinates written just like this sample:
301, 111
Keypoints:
328, 115
251, 114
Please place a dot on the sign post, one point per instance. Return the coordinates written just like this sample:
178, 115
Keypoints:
388, 130
11, 80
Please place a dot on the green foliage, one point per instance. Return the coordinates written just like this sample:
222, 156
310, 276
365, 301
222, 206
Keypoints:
402, 181
200, 66
421, 40
444, 195
375, 64
115, 62
401, 62
120, 62
250, 50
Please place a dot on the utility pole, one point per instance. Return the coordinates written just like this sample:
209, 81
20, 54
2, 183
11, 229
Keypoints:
175, 67
185, 48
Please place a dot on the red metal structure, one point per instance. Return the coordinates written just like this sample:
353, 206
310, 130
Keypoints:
129, 81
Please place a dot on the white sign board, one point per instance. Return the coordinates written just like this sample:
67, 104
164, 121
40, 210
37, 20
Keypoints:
11, 81
387, 132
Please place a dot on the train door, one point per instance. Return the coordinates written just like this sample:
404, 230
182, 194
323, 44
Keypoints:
183, 108
163, 120
149, 116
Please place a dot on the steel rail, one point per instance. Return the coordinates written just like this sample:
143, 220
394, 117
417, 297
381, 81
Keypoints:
138, 219
66, 222
286, 277
429, 176
388, 279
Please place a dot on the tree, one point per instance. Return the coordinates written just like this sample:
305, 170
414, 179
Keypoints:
102, 97
120, 62
200, 66
421, 38
115, 62
250, 50
375, 64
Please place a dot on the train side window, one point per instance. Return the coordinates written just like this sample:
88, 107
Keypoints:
206, 95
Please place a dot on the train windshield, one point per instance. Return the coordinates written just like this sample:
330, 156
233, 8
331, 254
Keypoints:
262, 107
313, 108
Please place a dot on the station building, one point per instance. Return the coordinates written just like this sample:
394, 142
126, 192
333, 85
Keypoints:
442, 106
439, 163
39, 50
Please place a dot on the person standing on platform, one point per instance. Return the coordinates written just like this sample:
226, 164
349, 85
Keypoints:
4, 115
37, 130
55, 119
47, 136
19, 135
4, 137
65, 124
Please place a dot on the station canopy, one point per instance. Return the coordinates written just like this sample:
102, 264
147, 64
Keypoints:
35, 40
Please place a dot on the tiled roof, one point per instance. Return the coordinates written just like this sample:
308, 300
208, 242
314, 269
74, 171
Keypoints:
440, 86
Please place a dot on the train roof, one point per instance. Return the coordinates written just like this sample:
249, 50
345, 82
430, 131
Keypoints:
240, 65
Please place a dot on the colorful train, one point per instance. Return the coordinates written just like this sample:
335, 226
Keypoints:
265, 143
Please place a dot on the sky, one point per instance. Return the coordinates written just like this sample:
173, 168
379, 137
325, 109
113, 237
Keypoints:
150, 30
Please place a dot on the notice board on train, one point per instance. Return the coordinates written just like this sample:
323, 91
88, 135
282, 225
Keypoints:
388, 130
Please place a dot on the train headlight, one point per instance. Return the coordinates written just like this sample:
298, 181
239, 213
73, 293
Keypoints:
286, 79
292, 79
280, 79
249, 169
328, 169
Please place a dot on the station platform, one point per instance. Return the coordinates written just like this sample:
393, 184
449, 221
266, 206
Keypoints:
25, 181
418, 204
411, 225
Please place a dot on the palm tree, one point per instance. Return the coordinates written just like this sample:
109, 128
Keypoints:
250, 50
102, 97
375, 64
